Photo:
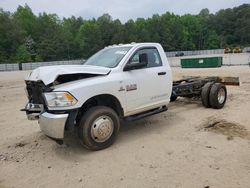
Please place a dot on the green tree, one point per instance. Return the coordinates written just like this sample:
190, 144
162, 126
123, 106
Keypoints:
25, 18
22, 55
11, 37
70, 29
90, 38
52, 43
130, 32
46, 37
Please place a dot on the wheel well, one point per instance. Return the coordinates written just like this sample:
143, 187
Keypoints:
101, 100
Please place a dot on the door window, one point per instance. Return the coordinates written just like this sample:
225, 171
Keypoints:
153, 57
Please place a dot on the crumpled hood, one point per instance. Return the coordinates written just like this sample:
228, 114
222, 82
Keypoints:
48, 74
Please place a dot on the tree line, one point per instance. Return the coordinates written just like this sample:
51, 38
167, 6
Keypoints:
26, 37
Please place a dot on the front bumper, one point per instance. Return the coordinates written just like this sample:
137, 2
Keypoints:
53, 125
33, 110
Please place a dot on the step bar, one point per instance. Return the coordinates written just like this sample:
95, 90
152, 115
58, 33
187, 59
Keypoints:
146, 114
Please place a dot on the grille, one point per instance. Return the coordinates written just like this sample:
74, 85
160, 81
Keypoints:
35, 90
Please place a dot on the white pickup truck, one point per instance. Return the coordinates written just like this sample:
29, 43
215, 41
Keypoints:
120, 82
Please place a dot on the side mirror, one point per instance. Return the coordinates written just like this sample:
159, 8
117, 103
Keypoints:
143, 62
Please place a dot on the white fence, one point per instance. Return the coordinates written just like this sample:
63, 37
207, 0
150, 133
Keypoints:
201, 52
196, 52
34, 65
9, 67
228, 59
31, 66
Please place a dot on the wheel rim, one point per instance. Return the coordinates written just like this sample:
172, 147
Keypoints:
102, 129
221, 95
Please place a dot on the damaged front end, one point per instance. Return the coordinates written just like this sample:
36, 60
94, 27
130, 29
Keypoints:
35, 92
52, 123
36, 103
53, 120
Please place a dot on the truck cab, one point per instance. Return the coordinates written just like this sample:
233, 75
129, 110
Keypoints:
120, 82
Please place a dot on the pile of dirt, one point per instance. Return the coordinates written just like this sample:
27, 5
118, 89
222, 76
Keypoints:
226, 128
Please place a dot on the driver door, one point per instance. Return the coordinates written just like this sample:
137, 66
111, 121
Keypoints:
146, 87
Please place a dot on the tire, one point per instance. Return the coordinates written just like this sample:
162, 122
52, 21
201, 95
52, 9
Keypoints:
95, 122
218, 95
205, 94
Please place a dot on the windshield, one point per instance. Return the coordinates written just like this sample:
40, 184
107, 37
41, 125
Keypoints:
108, 57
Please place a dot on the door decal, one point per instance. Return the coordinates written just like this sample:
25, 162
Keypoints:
131, 87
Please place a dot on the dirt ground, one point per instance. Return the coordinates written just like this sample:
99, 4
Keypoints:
187, 146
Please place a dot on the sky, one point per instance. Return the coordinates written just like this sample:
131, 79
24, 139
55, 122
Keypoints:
121, 9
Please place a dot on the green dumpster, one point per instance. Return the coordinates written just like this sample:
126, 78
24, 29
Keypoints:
205, 62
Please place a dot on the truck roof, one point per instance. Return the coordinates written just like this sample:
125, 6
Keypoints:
133, 44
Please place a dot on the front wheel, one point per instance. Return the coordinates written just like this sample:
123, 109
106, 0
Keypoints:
98, 128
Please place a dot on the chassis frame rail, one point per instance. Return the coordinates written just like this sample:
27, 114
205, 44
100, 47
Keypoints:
192, 86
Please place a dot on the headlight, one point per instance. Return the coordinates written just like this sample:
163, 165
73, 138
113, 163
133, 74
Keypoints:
59, 99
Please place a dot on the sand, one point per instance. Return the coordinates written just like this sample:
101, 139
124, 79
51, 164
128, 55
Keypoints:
171, 149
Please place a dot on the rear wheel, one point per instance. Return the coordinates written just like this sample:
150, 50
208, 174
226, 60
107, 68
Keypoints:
218, 95
205, 94
98, 128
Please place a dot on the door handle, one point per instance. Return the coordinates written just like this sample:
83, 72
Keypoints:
161, 73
